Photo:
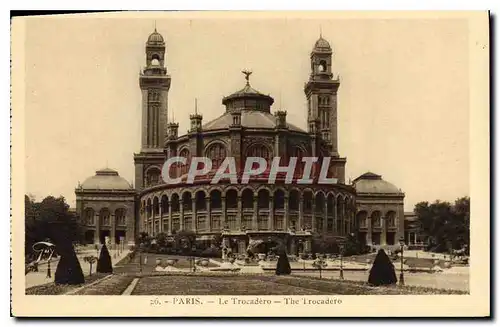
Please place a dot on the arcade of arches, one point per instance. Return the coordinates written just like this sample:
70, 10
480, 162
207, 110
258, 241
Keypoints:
246, 213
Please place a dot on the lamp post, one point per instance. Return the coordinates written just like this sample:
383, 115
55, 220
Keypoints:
401, 275
341, 250
193, 258
141, 245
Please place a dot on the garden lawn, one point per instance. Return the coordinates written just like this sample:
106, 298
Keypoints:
54, 289
223, 284
211, 285
115, 285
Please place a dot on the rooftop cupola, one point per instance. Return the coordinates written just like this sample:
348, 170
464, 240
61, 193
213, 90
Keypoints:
248, 98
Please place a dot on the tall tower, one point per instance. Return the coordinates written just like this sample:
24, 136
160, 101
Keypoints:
321, 93
154, 83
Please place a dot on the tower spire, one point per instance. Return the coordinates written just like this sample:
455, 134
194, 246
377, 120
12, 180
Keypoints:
196, 106
155, 26
320, 31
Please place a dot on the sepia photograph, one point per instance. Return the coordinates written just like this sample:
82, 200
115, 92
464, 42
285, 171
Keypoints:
255, 164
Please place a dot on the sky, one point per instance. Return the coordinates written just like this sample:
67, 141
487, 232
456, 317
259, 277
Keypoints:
403, 102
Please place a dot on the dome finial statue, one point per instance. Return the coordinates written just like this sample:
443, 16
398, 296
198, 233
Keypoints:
247, 74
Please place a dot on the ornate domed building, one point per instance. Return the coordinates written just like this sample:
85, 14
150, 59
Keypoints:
105, 203
257, 211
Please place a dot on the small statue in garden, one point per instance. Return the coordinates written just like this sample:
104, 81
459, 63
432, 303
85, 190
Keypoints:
382, 271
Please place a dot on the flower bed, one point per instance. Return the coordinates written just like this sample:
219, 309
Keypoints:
115, 285
54, 289
355, 287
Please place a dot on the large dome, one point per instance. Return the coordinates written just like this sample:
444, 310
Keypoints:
373, 183
254, 119
106, 179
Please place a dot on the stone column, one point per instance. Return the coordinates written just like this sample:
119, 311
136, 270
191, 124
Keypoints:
181, 214
160, 209
307, 246
97, 229
293, 247
208, 220
335, 231
239, 214
255, 221
241, 246
286, 220
170, 225
342, 219
223, 218
113, 229
301, 212
325, 216
194, 217
271, 213
383, 235
369, 230
313, 217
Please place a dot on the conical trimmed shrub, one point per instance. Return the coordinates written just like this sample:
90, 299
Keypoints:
382, 272
68, 269
283, 265
104, 263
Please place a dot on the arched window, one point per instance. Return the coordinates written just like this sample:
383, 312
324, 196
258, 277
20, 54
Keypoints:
361, 218
319, 205
153, 176
187, 202
164, 204
217, 153
200, 201
391, 219
279, 199
120, 215
308, 198
156, 206
376, 222
330, 202
184, 167
104, 216
149, 206
155, 60
247, 199
263, 199
293, 200
260, 151
215, 199
322, 66
298, 153
89, 216
231, 199
174, 203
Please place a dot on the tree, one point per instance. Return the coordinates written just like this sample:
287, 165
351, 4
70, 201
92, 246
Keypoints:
104, 263
184, 240
445, 225
382, 271
40, 218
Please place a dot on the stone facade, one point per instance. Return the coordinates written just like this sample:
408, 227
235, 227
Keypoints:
243, 214
106, 206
